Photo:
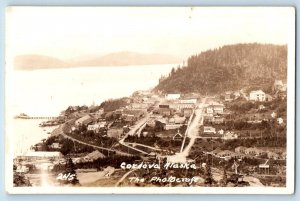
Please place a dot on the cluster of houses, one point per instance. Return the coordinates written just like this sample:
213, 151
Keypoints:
279, 88
101, 123
259, 95
214, 114
259, 152
242, 152
211, 131
173, 112
175, 104
173, 122
169, 108
215, 111
255, 95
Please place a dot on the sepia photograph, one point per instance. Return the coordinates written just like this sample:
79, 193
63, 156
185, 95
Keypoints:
150, 100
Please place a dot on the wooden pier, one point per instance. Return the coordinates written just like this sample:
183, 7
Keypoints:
28, 117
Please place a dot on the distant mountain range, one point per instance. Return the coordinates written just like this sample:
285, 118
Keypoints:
229, 67
35, 61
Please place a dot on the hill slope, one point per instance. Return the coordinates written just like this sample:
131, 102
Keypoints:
128, 58
228, 68
34, 61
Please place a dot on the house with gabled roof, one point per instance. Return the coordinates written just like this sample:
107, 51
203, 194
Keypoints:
257, 95
240, 149
85, 120
178, 136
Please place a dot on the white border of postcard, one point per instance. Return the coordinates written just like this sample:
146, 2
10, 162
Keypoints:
290, 165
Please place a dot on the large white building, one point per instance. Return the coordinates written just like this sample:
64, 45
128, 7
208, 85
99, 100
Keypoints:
191, 100
96, 127
209, 130
258, 95
172, 96
180, 106
215, 108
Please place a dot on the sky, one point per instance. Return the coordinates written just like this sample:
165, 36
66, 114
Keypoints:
73, 32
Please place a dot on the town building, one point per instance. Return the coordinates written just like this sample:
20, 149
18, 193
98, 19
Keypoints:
22, 169
273, 155
187, 112
228, 96
136, 114
230, 136
55, 145
258, 95
279, 86
169, 126
95, 155
280, 120
254, 151
209, 130
140, 106
215, 108
221, 132
273, 114
98, 114
240, 149
115, 132
218, 108
208, 117
177, 120
264, 168
178, 136
163, 111
96, 127
130, 119
180, 106
209, 109
149, 101
217, 119
191, 101
236, 94
85, 120
226, 154
164, 105
151, 122
215, 152
172, 96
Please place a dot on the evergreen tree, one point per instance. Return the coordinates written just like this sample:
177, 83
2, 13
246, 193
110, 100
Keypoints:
230, 67
224, 181
70, 169
208, 176
19, 180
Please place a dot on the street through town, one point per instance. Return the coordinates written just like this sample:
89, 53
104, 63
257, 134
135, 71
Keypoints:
192, 133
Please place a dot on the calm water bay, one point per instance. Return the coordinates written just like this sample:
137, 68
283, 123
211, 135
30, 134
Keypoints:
47, 92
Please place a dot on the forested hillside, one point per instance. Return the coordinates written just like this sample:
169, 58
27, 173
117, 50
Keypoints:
228, 68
